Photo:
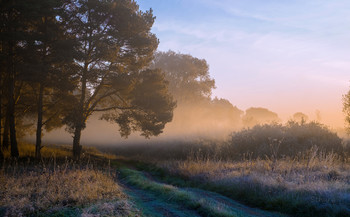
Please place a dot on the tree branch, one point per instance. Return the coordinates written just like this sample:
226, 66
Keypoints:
112, 108
93, 106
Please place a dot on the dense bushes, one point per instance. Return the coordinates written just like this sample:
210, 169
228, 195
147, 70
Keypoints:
294, 139
276, 140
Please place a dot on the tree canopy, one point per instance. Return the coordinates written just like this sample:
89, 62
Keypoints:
256, 115
191, 85
300, 117
83, 56
188, 76
114, 48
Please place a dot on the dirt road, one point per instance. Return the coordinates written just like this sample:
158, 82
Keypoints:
155, 198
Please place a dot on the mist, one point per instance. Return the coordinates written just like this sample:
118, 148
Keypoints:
191, 122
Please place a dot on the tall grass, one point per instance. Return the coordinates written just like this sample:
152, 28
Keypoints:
27, 150
57, 185
315, 185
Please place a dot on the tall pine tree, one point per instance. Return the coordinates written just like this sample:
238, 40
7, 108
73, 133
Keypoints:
49, 55
115, 46
13, 33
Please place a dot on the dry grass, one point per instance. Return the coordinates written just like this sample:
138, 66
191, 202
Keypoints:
321, 182
56, 183
112, 208
43, 189
289, 173
28, 150
52, 150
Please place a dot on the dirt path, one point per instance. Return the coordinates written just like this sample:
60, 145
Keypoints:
155, 198
151, 205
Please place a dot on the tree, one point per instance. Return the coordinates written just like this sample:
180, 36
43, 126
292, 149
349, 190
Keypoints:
191, 85
226, 113
188, 77
115, 46
1, 94
12, 18
254, 116
49, 54
300, 117
346, 109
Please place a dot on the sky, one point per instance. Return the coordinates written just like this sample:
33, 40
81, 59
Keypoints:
285, 55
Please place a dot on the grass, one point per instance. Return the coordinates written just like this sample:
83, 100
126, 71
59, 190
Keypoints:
204, 205
302, 169
311, 184
27, 150
311, 187
58, 186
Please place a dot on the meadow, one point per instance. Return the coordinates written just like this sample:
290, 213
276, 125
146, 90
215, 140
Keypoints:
59, 186
302, 169
194, 178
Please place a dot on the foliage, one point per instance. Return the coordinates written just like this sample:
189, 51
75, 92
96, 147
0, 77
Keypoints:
188, 77
254, 116
346, 109
114, 48
191, 86
276, 140
151, 106
300, 117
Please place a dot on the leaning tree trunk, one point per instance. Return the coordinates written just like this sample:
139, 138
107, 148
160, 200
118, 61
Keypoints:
39, 123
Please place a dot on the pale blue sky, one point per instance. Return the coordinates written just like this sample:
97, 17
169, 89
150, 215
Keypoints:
285, 55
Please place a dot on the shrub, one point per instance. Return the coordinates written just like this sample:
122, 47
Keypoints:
276, 141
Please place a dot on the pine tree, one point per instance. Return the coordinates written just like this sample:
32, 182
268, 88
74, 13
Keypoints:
12, 35
48, 55
115, 46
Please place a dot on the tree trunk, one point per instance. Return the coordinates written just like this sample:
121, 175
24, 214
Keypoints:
76, 143
39, 123
1, 154
12, 123
11, 102
6, 139
79, 125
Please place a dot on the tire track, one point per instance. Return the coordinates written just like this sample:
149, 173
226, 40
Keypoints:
150, 204
162, 199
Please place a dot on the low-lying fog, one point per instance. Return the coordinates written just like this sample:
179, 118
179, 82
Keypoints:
190, 122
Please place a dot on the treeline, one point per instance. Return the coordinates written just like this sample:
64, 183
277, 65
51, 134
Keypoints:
63, 60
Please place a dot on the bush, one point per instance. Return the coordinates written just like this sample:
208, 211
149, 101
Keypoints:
276, 141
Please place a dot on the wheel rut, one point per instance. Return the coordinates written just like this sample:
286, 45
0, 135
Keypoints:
156, 198
150, 204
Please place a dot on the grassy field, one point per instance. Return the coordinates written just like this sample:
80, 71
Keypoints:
58, 186
101, 185
312, 184
313, 187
